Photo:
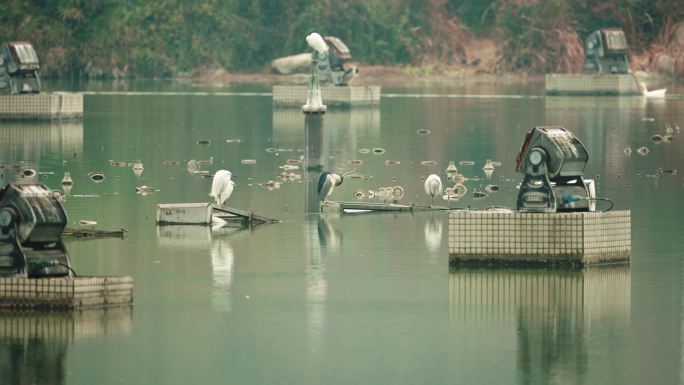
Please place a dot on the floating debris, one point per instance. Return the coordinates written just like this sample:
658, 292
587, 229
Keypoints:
233, 140
491, 187
96, 176
479, 194
392, 162
647, 119
171, 163
193, 166
45, 176
668, 138
118, 164
295, 162
204, 142
428, 163
359, 194
29, 173
289, 176
248, 161
288, 167
451, 169
209, 161
643, 151
496, 164
86, 222
657, 138
466, 163
423, 131
488, 166
670, 171
454, 193
271, 185
271, 150
627, 150
397, 192
66, 180
378, 151
144, 190
355, 162
356, 176
364, 151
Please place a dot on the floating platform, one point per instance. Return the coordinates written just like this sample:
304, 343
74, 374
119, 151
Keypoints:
65, 293
592, 84
511, 237
366, 207
295, 96
47, 106
204, 213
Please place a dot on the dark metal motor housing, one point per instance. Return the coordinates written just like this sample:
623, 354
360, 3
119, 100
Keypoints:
605, 51
332, 65
19, 66
552, 160
32, 221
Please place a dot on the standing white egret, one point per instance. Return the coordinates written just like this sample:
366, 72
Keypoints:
222, 186
433, 186
326, 183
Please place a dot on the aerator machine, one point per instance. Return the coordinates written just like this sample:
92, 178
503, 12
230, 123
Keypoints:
333, 65
605, 52
552, 160
19, 68
31, 224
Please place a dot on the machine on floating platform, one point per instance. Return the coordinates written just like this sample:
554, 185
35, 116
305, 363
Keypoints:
31, 224
606, 52
552, 160
19, 67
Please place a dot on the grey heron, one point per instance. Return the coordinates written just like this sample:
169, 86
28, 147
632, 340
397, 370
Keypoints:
326, 183
433, 186
222, 186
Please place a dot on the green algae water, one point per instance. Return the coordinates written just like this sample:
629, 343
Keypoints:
348, 299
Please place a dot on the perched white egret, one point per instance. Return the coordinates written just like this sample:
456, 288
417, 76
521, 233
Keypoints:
315, 41
433, 186
660, 93
222, 186
326, 183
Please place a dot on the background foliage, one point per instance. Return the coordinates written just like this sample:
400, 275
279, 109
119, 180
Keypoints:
168, 37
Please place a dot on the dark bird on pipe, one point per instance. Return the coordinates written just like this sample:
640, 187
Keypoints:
326, 183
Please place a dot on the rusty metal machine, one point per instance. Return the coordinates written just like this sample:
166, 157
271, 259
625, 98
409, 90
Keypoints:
19, 68
31, 224
605, 51
552, 160
333, 64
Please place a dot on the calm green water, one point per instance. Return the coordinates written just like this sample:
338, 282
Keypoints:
354, 299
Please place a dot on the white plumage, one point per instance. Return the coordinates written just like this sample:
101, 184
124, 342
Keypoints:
222, 186
316, 42
660, 93
433, 186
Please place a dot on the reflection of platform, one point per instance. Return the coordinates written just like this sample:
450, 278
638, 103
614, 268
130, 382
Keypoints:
295, 96
591, 84
31, 140
65, 293
56, 105
579, 238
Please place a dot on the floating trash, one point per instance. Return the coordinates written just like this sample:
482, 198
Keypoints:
422, 178
359, 194
96, 176
647, 119
289, 176
397, 192
364, 151
233, 140
87, 222
627, 150
428, 163
356, 176
204, 142
209, 161
454, 193
479, 194
171, 163
271, 185
394, 178
144, 190
466, 163
29, 173
295, 162
488, 165
355, 162
491, 187
193, 166
657, 138
668, 138
670, 171
423, 131
45, 176
643, 151
496, 164
451, 169
271, 150
66, 180
248, 161
378, 151
288, 167
118, 164
392, 162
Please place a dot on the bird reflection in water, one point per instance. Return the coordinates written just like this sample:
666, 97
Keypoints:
433, 234
222, 262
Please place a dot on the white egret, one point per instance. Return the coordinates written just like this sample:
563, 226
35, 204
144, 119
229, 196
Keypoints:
222, 186
433, 186
326, 183
316, 42
660, 93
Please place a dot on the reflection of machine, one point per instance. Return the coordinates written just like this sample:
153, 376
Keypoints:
332, 60
552, 160
606, 52
19, 67
31, 226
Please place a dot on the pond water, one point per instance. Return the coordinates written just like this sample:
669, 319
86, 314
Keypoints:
330, 299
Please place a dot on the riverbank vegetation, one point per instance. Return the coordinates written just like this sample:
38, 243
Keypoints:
105, 38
